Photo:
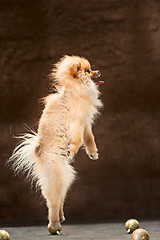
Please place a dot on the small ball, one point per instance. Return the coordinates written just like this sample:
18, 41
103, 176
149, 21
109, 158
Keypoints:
140, 234
4, 235
55, 230
131, 225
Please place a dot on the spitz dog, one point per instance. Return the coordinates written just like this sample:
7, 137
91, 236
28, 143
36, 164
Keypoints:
65, 125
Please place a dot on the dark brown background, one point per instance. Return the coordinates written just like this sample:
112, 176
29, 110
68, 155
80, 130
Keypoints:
122, 40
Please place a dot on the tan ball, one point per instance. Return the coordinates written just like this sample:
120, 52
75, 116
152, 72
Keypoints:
140, 234
131, 225
4, 235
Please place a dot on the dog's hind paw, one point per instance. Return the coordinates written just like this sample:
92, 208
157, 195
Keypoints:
62, 218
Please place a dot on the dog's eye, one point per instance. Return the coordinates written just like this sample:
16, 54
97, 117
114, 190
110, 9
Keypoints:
88, 71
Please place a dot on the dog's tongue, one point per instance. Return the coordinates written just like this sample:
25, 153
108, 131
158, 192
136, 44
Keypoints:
100, 82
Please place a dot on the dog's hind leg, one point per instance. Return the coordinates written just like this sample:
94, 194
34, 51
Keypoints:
54, 180
55, 208
53, 213
53, 195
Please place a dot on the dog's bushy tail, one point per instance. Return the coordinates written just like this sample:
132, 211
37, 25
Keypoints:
23, 157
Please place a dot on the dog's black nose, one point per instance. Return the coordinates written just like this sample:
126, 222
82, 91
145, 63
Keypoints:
99, 73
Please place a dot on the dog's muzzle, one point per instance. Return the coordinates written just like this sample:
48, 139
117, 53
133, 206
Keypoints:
98, 74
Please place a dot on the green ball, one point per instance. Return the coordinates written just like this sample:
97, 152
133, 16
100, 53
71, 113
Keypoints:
54, 230
4, 235
131, 225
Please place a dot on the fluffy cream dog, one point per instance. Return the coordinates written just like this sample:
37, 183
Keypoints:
65, 125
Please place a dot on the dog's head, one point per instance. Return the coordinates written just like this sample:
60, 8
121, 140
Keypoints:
73, 71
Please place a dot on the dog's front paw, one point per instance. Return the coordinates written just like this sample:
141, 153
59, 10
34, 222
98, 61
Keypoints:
93, 156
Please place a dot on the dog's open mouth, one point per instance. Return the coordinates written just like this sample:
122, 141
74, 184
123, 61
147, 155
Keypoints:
95, 79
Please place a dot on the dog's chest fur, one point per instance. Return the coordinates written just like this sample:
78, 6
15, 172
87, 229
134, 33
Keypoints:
61, 110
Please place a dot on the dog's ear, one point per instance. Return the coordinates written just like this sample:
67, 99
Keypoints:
74, 69
78, 67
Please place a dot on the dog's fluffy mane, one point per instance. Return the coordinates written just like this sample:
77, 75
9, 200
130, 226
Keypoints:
69, 72
66, 69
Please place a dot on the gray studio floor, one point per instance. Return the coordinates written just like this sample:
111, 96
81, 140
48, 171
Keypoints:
109, 231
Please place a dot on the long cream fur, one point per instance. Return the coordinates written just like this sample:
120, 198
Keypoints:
65, 125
